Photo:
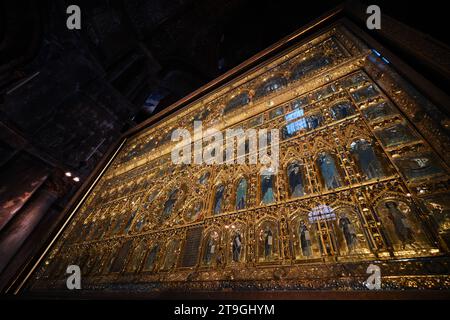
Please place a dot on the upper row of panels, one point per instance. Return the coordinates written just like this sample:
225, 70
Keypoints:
323, 52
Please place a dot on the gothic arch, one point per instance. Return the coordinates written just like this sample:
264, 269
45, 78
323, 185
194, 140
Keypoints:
211, 247
171, 254
288, 184
267, 188
268, 240
237, 246
400, 221
324, 161
152, 260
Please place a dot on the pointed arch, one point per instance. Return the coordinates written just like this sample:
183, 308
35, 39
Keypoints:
210, 246
296, 178
329, 170
267, 189
368, 160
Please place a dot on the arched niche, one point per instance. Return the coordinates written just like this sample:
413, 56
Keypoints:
268, 241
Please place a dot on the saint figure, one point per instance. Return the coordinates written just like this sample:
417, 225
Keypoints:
401, 223
305, 239
349, 232
237, 246
268, 243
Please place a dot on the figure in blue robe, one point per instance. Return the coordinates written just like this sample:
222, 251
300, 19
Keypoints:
329, 171
218, 199
267, 189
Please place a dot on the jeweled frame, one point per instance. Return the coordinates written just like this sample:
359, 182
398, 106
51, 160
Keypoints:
353, 67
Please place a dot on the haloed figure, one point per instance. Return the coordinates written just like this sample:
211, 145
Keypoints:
267, 188
401, 224
295, 180
169, 204
305, 239
218, 199
349, 232
237, 247
329, 171
268, 243
241, 194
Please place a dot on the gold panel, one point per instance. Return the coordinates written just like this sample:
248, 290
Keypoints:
361, 179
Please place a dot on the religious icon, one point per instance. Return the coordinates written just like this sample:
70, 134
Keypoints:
396, 135
440, 206
342, 110
367, 160
194, 212
86, 230
169, 204
268, 243
403, 228
276, 112
130, 220
323, 218
314, 121
305, 239
136, 258
310, 226
241, 194
419, 166
364, 93
220, 257
118, 225
210, 249
237, 102
310, 65
267, 185
349, 232
119, 259
152, 196
269, 86
204, 178
237, 247
295, 179
218, 199
328, 170
150, 261
378, 111
139, 223
171, 255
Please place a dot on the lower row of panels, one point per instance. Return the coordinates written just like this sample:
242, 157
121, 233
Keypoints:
392, 228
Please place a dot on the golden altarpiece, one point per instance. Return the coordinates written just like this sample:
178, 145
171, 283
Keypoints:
363, 178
